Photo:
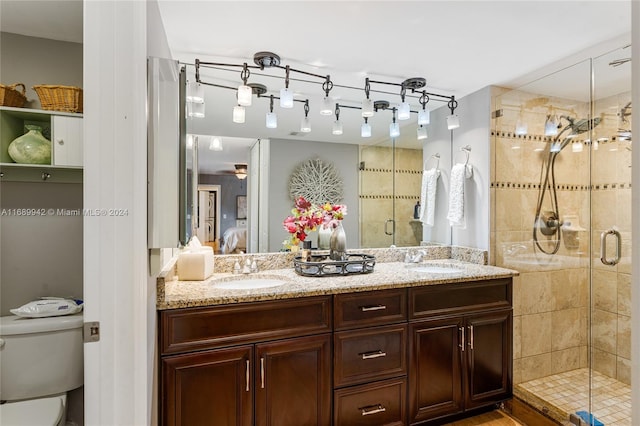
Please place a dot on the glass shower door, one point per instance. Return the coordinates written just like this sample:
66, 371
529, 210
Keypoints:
611, 143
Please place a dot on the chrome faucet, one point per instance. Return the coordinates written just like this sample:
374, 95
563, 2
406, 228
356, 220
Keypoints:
415, 257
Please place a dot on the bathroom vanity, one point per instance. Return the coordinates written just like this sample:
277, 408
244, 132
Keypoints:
394, 347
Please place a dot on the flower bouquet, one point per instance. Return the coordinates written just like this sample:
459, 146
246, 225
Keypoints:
306, 217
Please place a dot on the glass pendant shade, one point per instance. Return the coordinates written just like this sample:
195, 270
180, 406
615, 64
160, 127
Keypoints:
244, 95
305, 125
453, 122
195, 92
521, 128
367, 108
422, 132
337, 127
555, 147
424, 117
195, 110
272, 120
286, 98
394, 130
550, 127
327, 106
595, 144
365, 130
215, 144
238, 114
404, 111
577, 147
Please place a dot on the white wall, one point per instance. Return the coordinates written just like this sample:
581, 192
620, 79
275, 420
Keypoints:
285, 156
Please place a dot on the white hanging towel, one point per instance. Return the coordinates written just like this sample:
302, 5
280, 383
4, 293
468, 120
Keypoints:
428, 195
456, 197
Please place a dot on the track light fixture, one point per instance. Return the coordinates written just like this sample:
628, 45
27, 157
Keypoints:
412, 88
453, 122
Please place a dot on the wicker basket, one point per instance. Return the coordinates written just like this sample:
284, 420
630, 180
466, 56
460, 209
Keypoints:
59, 98
10, 96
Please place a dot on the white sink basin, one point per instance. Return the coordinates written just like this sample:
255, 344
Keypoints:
434, 269
248, 283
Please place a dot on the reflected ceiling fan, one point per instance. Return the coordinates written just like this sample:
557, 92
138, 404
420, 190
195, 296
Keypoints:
239, 171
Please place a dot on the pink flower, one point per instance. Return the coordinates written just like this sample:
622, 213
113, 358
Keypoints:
306, 217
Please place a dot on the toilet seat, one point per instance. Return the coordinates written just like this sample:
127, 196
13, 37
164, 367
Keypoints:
42, 412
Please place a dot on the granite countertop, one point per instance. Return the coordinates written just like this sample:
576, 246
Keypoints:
386, 275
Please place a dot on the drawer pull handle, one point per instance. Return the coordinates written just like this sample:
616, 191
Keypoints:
374, 354
372, 409
373, 308
247, 374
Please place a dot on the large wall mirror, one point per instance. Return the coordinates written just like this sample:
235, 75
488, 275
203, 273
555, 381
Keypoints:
244, 170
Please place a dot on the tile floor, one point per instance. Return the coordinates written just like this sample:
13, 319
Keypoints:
492, 418
565, 393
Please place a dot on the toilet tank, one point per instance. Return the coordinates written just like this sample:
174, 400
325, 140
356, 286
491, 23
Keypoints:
40, 356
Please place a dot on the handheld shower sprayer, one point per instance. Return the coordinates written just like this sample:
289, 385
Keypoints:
548, 222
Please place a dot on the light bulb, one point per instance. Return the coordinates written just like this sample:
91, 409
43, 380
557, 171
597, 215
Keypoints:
238, 114
337, 128
422, 132
327, 106
286, 98
367, 107
244, 95
272, 120
404, 111
453, 122
305, 125
394, 130
424, 117
365, 130
196, 110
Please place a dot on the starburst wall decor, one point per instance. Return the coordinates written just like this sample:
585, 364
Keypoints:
317, 181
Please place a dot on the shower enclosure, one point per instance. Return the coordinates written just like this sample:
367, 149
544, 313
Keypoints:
562, 217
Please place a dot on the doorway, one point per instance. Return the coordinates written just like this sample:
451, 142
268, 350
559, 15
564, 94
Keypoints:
208, 225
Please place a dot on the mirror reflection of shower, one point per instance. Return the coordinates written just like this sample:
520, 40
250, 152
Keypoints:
547, 221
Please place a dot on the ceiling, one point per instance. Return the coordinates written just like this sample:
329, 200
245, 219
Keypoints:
457, 46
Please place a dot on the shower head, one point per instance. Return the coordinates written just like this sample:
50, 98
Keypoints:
584, 125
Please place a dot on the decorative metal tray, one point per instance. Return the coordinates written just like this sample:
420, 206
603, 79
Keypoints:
321, 266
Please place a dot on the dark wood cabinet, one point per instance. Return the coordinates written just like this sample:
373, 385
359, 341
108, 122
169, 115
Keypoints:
293, 382
277, 373
208, 388
460, 354
386, 357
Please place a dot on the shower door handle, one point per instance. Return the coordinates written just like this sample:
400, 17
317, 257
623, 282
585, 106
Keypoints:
603, 247
393, 226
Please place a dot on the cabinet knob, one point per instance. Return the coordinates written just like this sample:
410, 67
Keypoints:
60, 141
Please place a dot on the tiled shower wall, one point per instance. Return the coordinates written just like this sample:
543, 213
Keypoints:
378, 195
551, 295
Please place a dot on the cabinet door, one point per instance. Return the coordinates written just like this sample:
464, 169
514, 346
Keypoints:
435, 367
488, 358
66, 140
208, 388
293, 382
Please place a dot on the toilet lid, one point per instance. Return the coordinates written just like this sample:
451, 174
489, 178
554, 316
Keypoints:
43, 411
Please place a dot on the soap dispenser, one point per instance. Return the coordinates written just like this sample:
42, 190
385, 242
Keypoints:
416, 210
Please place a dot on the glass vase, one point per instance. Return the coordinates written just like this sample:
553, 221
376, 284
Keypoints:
338, 243
324, 237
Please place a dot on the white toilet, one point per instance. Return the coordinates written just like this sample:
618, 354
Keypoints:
40, 360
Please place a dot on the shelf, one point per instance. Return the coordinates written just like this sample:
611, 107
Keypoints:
14, 172
28, 113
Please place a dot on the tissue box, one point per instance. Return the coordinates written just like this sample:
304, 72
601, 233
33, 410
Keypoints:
195, 265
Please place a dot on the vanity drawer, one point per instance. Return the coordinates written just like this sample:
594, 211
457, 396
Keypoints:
356, 310
191, 329
375, 404
369, 354
448, 299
